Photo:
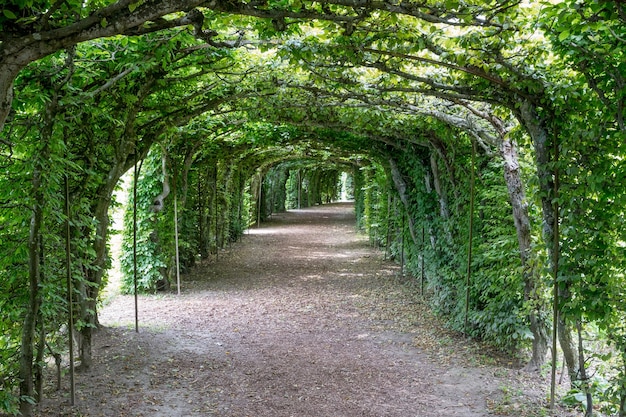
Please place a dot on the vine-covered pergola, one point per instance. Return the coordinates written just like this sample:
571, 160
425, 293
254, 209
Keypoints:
484, 144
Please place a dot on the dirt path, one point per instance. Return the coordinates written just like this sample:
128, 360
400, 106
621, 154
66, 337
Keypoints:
302, 318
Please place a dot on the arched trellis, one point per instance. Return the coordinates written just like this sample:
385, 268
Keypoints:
513, 86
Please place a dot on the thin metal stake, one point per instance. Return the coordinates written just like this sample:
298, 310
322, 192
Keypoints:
176, 243
555, 272
402, 250
136, 173
215, 205
471, 235
70, 316
259, 201
423, 253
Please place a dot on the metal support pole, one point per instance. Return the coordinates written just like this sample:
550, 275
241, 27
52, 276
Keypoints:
70, 289
402, 250
555, 272
471, 235
259, 201
135, 179
215, 210
423, 252
176, 243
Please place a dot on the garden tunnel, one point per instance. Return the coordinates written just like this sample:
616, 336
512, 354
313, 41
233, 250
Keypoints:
490, 129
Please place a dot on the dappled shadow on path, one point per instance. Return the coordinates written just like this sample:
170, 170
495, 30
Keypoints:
300, 318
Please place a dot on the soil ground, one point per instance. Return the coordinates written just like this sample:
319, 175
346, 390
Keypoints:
301, 318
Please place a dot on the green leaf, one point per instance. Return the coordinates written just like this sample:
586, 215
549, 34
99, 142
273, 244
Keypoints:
564, 35
133, 6
9, 14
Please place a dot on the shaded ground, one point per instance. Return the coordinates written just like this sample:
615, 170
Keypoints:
302, 318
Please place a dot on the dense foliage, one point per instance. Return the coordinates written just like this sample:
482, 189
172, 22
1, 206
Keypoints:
483, 144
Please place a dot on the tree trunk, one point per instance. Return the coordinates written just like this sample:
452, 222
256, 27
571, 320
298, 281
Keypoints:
622, 404
201, 241
92, 287
41, 342
443, 200
184, 177
96, 271
7, 75
401, 187
440, 149
517, 196
566, 341
27, 389
538, 131
26, 371
583, 371
158, 203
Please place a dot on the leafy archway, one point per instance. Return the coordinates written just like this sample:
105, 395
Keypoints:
223, 101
